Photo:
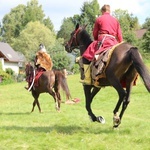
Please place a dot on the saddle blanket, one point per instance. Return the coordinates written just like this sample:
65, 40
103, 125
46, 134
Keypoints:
37, 76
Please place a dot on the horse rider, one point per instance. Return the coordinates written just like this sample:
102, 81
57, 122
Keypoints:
43, 60
106, 33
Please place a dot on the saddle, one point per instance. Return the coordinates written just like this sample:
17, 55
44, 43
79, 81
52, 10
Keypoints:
98, 67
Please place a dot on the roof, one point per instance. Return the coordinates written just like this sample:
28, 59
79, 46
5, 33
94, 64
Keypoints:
8, 53
140, 33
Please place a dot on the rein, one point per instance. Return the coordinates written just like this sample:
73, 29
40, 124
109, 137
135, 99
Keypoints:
74, 37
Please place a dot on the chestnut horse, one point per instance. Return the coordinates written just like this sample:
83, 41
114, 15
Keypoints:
49, 82
125, 63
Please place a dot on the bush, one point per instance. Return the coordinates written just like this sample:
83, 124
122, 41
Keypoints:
10, 71
5, 77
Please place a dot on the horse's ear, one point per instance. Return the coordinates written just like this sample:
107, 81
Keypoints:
77, 26
85, 26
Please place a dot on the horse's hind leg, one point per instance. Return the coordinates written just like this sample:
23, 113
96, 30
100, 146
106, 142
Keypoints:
131, 76
56, 99
122, 95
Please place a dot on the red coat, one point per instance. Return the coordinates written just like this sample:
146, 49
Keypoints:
106, 29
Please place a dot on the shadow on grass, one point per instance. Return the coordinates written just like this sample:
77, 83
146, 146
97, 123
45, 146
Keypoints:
69, 130
15, 113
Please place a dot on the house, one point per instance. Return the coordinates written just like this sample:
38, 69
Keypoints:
10, 58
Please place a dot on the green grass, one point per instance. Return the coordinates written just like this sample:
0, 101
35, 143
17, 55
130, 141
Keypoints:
71, 129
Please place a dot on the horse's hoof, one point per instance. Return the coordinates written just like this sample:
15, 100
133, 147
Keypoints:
101, 119
58, 109
116, 121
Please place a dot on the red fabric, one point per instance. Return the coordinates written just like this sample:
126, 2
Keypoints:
105, 24
37, 76
123, 82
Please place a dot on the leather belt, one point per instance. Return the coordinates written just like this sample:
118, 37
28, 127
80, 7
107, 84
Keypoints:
107, 35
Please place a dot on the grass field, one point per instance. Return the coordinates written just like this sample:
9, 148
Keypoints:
71, 129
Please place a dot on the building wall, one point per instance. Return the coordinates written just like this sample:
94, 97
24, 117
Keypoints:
2, 62
13, 65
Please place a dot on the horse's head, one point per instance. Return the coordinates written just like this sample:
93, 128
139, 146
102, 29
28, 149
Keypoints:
74, 39
28, 69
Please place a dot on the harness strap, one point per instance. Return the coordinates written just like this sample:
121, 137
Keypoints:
32, 80
107, 35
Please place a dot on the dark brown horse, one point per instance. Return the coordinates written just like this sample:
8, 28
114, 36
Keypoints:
50, 82
125, 63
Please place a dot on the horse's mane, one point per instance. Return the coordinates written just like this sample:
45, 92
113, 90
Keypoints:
86, 39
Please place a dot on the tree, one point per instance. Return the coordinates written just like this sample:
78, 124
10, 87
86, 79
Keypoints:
145, 41
65, 29
30, 38
146, 25
128, 25
89, 12
33, 12
15, 21
59, 55
48, 23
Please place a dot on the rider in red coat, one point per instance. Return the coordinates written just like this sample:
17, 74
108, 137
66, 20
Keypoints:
106, 33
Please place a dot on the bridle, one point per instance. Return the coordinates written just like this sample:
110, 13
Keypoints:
74, 38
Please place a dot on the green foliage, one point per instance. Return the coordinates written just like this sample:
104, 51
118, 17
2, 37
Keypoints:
128, 25
61, 61
65, 29
76, 69
146, 41
33, 12
89, 11
59, 56
48, 23
10, 71
5, 77
146, 25
30, 38
13, 23
16, 21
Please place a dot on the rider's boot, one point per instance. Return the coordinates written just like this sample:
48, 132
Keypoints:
27, 87
87, 74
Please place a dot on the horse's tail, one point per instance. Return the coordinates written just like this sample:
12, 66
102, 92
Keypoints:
140, 67
62, 81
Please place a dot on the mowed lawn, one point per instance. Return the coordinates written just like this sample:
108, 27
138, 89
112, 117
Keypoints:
71, 129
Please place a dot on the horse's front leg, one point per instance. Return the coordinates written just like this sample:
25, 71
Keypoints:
34, 103
88, 101
38, 104
36, 96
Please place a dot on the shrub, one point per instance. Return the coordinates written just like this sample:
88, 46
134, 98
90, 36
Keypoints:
10, 71
5, 77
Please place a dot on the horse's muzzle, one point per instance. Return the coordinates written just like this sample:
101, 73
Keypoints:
68, 48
